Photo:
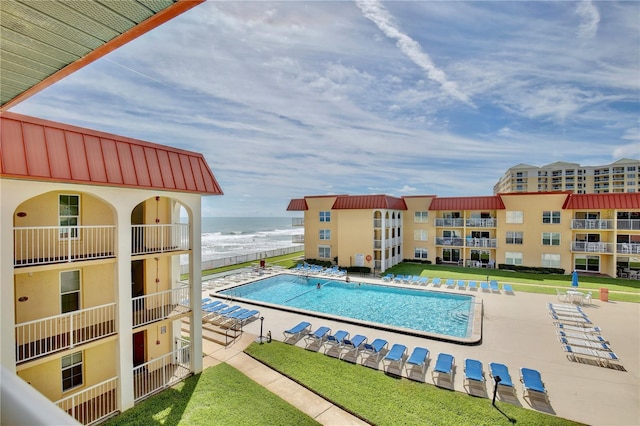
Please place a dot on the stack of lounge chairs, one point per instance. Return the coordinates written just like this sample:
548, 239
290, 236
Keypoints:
578, 336
221, 314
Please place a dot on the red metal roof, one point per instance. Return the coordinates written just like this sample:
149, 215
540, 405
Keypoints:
369, 202
491, 202
297, 204
36, 149
622, 200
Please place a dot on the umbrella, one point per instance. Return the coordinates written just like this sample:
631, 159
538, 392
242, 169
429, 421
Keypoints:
574, 279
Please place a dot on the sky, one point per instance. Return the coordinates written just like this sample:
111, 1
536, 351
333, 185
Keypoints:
295, 98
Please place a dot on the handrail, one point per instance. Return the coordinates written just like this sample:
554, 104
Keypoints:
308, 291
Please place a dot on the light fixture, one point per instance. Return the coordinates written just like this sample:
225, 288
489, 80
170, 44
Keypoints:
23, 299
157, 209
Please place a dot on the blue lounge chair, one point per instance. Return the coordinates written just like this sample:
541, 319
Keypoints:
353, 344
450, 283
601, 356
240, 319
210, 309
461, 285
444, 366
584, 336
221, 317
472, 285
585, 343
435, 282
532, 382
590, 330
336, 339
493, 284
374, 349
398, 278
473, 370
574, 320
484, 286
415, 279
297, 330
318, 336
388, 277
501, 370
396, 355
507, 288
423, 281
418, 359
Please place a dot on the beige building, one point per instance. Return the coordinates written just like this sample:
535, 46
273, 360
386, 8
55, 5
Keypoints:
597, 233
92, 303
620, 176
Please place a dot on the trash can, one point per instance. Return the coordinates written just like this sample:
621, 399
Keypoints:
604, 294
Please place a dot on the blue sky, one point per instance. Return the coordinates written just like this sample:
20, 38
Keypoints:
287, 99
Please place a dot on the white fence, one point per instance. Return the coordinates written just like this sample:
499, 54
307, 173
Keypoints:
93, 404
43, 336
161, 372
159, 238
251, 257
155, 306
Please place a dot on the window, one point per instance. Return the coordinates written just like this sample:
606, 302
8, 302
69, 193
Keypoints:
551, 260
587, 263
551, 217
513, 258
69, 291
69, 215
421, 217
325, 216
515, 217
324, 252
420, 253
325, 234
71, 371
420, 235
550, 238
514, 237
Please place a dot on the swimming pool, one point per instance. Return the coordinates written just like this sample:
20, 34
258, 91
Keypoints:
438, 314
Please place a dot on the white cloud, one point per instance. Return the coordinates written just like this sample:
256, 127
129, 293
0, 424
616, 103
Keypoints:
590, 17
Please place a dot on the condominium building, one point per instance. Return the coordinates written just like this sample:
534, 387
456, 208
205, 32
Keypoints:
620, 176
93, 307
598, 233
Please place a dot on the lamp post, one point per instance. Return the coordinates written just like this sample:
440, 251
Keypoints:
261, 339
497, 379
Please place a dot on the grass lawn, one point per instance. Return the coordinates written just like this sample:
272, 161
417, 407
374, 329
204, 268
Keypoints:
384, 400
285, 261
221, 395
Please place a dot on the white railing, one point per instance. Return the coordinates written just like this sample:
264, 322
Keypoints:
297, 221
93, 404
156, 306
297, 239
592, 247
38, 245
633, 224
449, 241
628, 248
458, 223
161, 372
482, 223
591, 224
377, 223
159, 238
482, 242
377, 244
47, 335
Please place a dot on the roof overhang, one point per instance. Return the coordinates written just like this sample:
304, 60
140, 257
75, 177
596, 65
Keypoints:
45, 41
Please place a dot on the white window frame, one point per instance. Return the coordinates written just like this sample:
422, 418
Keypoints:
421, 217
551, 217
586, 265
420, 253
514, 216
548, 238
512, 237
64, 292
72, 363
324, 252
64, 215
325, 234
513, 258
420, 235
325, 216
550, 260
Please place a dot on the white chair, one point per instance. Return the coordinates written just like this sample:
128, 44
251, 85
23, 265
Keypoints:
562, 297
586, 300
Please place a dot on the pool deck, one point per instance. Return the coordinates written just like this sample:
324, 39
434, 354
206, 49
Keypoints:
517, 332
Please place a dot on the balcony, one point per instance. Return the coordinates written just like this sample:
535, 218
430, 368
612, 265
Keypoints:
297, 221
482, 223
157, 306
48, 335
377, 223
591, 224
591, 247
629, 224
146, 239
450, 242
628, 248
456, 223
377, 244
42, 245
297, 239
93, 404
161, 372
482, 242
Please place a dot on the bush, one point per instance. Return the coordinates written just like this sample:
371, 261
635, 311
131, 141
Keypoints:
422, 261
323, 263
531, 269
362, 270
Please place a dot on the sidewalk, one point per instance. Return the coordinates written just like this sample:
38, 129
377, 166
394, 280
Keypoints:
306, 401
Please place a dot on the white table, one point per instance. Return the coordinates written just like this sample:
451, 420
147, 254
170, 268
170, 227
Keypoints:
575, 296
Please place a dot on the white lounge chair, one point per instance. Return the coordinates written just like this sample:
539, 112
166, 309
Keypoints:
583, 336
602, 356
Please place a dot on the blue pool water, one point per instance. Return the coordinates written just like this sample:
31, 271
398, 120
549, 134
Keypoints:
434, 312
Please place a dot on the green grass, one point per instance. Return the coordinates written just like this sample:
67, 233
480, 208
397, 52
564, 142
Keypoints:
621, 290
221, 395
286, 261
384, 400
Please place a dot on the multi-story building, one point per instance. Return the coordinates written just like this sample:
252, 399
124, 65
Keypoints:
93, 306
597, 233
620, 176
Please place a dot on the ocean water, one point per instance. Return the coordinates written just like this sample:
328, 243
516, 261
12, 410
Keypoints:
231, 236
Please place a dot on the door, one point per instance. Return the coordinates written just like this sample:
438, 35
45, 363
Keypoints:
139, 340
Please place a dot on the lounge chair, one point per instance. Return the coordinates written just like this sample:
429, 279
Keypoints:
472, 285
336, 339
423, 281
388, 277
435, 282
415, 279
318, 336
573, 320
484, 286
461, 285
374, 349
473, 370
507, 288
395, 356
238, 318
561, 307
450, 283
590, 330
296, 331
444, 366
601, 356
532, 382
568, 314
353, 344
221, 317
493, 284
398, 278
501, 371
418, 359
582, 336
570, 341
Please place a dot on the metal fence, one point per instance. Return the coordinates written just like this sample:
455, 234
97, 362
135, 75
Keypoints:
251, 257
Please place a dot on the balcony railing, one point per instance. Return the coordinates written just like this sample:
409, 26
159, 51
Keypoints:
159, 238
377, 244
440, 221
482, 242
591, 247
591, 224
47, 335
297, 239
482, 223
632, 224
628, 248
40, 245
161, 373
377, 223
297, 221
448, 241
93, 404
156, 306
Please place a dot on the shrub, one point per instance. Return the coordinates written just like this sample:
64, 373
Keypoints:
531, 269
